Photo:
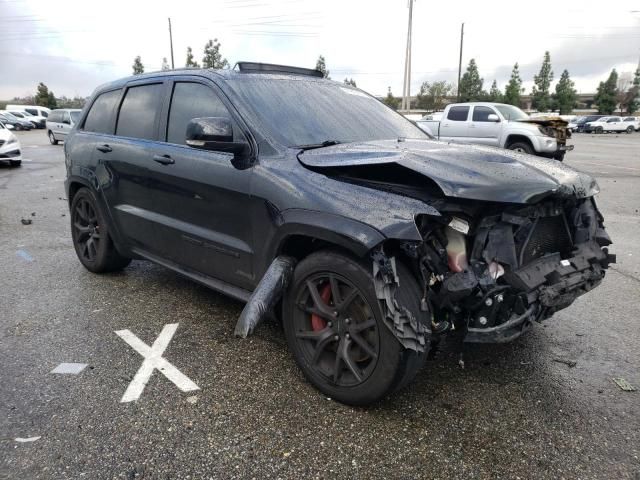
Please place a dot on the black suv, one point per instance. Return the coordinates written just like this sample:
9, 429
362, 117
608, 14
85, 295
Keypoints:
311, 199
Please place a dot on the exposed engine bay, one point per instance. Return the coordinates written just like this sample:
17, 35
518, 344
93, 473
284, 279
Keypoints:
490, 276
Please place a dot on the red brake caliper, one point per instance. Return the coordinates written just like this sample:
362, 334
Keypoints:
318, 323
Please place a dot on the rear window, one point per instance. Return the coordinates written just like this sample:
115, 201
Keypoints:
100, 117
458, 114
139, 111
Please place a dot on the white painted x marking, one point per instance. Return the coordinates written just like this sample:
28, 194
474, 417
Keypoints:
153, 360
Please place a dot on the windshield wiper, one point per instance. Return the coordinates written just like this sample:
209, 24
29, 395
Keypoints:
311, 146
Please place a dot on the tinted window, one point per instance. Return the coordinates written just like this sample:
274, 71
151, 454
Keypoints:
458, 114
613, 120
630, 119
139, 111
481, 114
100, 117
44, 114
32, 111
191, 100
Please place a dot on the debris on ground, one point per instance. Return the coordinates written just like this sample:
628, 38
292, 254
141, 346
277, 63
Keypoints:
26, 440
624, 385
26, 221
33, 214
568, 363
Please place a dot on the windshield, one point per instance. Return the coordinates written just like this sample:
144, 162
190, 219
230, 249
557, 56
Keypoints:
9, 116
17, 114
306, 112
75, 116
512, 113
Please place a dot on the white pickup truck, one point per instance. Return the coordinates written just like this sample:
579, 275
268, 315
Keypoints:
500, 125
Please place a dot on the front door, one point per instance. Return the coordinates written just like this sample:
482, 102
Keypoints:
482, 130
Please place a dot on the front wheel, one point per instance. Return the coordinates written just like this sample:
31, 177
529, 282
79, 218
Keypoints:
90, 235
15, 163
334, 326
52, 138
521, 147
18, 127
629, 129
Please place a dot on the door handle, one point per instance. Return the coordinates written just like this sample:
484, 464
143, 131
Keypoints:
163, 159
104, 148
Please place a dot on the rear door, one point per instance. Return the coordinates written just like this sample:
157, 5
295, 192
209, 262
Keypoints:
455, 125
201, 198
482, 130
65, 125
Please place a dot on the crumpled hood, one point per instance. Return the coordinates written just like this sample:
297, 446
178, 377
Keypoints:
463, 171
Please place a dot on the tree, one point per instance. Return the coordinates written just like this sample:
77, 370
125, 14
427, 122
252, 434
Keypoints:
321, 66
541, 100
633, 98
190, 61
514, 88
350, 81
495, 95
212, 56
165, 64
566, 96
42, 95
391, 101
470, 88
51, 101
605, 97
138, 67
432, 95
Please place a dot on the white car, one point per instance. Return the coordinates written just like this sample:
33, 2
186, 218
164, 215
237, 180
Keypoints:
9, 147
634, 121
37, 121
608, 124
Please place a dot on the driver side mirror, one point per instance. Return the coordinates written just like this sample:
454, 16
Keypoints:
492, 117
215, 134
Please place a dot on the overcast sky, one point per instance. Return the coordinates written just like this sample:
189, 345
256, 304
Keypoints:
73, 46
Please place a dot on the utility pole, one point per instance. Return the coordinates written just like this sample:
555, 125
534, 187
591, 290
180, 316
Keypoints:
171, 43
460, 61
406, 88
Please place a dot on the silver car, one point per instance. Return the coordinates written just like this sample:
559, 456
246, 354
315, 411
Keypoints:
60, 122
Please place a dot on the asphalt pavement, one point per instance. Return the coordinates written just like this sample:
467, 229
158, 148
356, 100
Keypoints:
544, 406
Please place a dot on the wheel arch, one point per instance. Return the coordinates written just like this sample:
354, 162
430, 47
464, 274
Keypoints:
516, 138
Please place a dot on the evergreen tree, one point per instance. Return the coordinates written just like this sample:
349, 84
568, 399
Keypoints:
51, 101
566, 95
514, 88
605, 97
495, 95
138, 67
350, 81
190, 61
541, 96
321, 66
391, 101
212, 56
42, 95
633, 102
165, 64
470, 88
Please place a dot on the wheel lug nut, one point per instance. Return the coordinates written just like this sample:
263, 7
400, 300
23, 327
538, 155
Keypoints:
330, 324
347, 336
336, 337
482, 320
488, 302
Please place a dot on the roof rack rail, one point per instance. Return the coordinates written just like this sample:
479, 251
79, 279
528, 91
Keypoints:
254, 67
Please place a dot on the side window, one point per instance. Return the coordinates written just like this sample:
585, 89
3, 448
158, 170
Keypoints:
458, 114
53, 117
32, 111
44, 114
100, 117
191, 100
481, 114
66, 119
139, 111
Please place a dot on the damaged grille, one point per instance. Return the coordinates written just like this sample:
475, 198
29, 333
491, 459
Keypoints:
548, 235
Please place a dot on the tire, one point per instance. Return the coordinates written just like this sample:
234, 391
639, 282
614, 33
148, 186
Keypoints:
629, 129
90, 235
599, 130
559, 156
52, 138
18, 127
15, 163
315, 340
521, 147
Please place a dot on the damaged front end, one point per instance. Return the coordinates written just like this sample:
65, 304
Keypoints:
553, 126
489, 275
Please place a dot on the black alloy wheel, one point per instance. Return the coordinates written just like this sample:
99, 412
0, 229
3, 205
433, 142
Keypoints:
86, 229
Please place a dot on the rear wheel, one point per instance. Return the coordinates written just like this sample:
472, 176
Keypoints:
599, 130
521, 147
335, 329
18, 127
629, 129
52, 138
90, 234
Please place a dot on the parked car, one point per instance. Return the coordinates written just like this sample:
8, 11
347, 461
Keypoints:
608, 124
32, 109
18, 123
9, 147
312, 199
500, 125
38, 122
633, 121
582, 121
60, 123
